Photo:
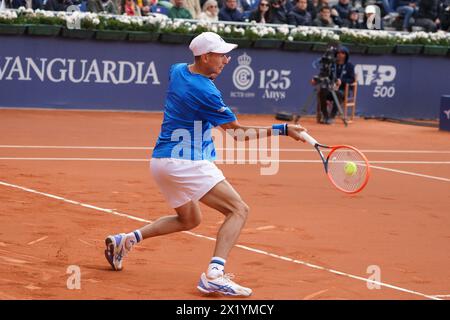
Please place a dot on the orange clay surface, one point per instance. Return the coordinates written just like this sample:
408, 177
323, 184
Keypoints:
303, 240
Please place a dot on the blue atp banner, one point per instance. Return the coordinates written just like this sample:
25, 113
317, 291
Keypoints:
86, 74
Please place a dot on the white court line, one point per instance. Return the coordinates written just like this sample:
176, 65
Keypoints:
233, 161
76, 159
38, 240
219, 149
265, 162
258, 251
74, 147
412, 173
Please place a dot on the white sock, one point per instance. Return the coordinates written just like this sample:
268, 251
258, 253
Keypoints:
132, 238
216, 267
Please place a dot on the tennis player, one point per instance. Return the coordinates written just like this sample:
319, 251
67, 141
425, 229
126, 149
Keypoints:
185, 172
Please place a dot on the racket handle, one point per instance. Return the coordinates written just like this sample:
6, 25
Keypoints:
308, 138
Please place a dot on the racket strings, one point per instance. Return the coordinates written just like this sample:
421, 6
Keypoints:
347, 169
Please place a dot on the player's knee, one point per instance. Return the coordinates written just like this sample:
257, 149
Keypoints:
242, 210
191, 222
196, 220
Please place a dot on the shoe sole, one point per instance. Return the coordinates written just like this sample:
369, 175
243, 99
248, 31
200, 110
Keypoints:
207, 292
202, 290
217, 292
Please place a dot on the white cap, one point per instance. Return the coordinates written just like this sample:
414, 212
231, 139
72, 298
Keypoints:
210, 42
371, 9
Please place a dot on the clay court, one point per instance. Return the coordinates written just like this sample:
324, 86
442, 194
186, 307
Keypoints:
70, 178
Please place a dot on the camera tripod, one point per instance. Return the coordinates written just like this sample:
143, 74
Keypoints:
310, 99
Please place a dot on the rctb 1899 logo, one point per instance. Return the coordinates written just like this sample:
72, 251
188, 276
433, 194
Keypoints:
274, 82
243, 75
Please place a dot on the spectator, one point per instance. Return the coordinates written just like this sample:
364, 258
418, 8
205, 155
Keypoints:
144, 7
334, 14
444, 15
405, 8
299, 16
288, 4
262, 13
370, 16
210, 11
98, 6
427, 15
313, 8
324, 19
343, 8
57, 5
193, 6
343, 73
130, 8
249, 5
279, 10
241, 5
161, 7
352, 22
179, 11
388, 10
29, 4
230, 12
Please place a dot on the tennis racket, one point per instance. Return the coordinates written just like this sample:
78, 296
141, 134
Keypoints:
347, 168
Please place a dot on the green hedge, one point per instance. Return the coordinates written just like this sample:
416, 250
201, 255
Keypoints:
158, 28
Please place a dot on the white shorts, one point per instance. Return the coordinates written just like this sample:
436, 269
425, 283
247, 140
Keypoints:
181, 181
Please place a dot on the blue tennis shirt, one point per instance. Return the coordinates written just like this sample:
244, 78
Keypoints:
193, 107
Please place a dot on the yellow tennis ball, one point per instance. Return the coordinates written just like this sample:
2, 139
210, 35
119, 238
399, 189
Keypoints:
350, 168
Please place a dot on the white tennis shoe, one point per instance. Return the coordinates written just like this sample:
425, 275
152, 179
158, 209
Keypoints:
116, 250
223, 285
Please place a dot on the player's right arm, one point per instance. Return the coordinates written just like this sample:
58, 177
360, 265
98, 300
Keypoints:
254, 132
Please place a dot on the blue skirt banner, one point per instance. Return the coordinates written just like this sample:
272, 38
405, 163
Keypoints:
87, 74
